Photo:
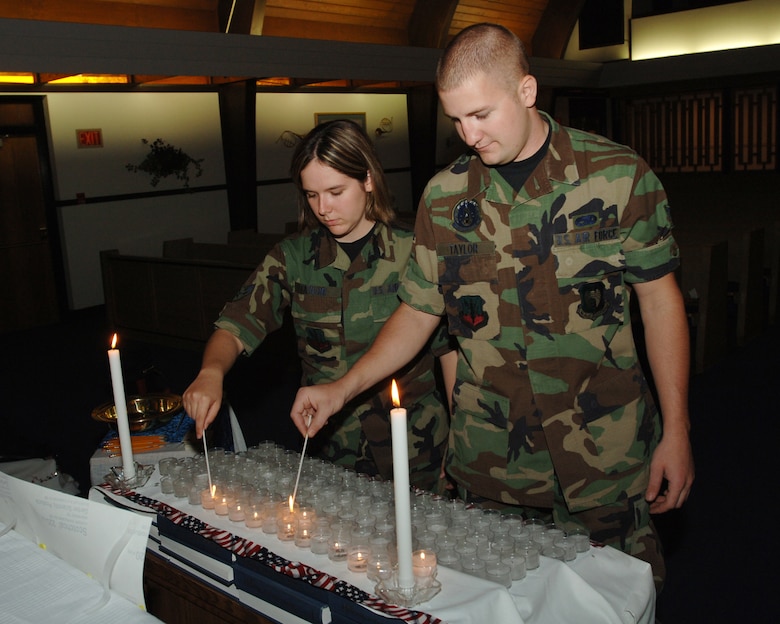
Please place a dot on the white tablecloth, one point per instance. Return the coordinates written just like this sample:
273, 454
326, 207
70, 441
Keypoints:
602, 586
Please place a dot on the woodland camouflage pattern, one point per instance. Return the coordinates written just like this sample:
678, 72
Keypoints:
536, 290
338, 308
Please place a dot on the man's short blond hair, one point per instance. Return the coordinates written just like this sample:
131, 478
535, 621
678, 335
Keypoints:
482, 48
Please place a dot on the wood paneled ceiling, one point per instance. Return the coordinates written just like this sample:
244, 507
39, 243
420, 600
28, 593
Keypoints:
544, 25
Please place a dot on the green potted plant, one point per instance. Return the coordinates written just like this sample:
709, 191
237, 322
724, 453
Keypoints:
165, 160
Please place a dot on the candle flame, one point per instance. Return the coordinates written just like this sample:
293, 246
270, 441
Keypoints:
292, 503
213, 490
113, 342
394, 394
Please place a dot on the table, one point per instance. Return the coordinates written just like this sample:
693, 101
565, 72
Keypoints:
266, 574
101, 462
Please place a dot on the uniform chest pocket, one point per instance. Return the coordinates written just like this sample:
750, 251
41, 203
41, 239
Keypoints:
316, 304
590, 283
469, 284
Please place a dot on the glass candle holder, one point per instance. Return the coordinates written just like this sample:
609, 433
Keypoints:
581, 537
207, 499
569, 547
320, 540
499, 572
357, 557
337, 549
531, 553
285, 526
424, 567
269, 515
193, 496
253, 516
237, 510
380, 566
303, 533
166, 484
516, 563
181, 485
166, 465
471, 564
221, 503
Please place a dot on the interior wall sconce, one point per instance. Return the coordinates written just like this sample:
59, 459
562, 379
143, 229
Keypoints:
385, 127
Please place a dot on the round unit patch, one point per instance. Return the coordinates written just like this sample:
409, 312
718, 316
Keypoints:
466, 216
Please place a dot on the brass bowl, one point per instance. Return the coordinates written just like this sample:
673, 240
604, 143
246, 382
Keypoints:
143, 412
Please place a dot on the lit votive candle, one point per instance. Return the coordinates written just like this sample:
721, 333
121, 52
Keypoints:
424, 567
236, 511
303, 531
337, 551
221, 504
357, 558
253, 517
285, 527
207, 499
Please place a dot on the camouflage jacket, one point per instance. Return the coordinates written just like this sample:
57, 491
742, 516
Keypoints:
536, 288
338, 308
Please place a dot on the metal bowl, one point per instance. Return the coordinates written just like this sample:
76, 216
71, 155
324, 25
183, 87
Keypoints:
143, 412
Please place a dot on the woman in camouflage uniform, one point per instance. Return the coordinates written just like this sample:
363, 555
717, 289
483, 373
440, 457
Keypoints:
338, 278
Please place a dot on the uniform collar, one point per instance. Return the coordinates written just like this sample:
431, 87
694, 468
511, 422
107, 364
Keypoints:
327, 252
558, 165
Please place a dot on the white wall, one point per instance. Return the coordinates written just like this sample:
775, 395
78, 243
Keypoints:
189, 121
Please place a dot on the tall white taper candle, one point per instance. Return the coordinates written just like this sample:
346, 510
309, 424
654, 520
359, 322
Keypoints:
120, 404
403, 516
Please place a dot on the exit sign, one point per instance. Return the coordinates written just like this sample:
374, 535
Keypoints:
90, 138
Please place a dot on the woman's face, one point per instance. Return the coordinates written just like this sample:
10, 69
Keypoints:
338, 201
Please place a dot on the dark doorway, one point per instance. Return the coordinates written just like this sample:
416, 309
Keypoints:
29, 249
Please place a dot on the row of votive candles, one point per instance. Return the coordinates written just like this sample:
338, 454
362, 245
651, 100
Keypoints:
349, 517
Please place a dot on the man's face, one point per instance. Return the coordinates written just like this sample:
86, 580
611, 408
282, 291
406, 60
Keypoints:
493, 120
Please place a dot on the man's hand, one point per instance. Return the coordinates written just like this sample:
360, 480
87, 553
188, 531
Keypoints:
319, 403
671, 466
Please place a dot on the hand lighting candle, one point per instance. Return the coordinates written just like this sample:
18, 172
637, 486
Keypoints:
403, 518
120, 404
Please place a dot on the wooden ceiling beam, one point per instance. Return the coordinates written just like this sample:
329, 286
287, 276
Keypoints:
304, 29
241, 17
555, 28
114, 13
430, 23
46, 78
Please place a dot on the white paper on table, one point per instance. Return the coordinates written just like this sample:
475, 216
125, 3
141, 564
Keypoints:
36, 586
104, 542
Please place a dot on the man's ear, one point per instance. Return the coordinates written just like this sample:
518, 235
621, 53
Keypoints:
526, 90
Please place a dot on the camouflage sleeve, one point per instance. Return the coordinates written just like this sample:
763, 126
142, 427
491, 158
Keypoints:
258, 307
419, 286
441, 341
650, 249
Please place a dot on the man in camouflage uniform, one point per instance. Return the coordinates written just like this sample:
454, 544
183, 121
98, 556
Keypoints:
338, 306
532, 245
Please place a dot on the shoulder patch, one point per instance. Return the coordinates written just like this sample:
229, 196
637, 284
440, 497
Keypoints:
466, 216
